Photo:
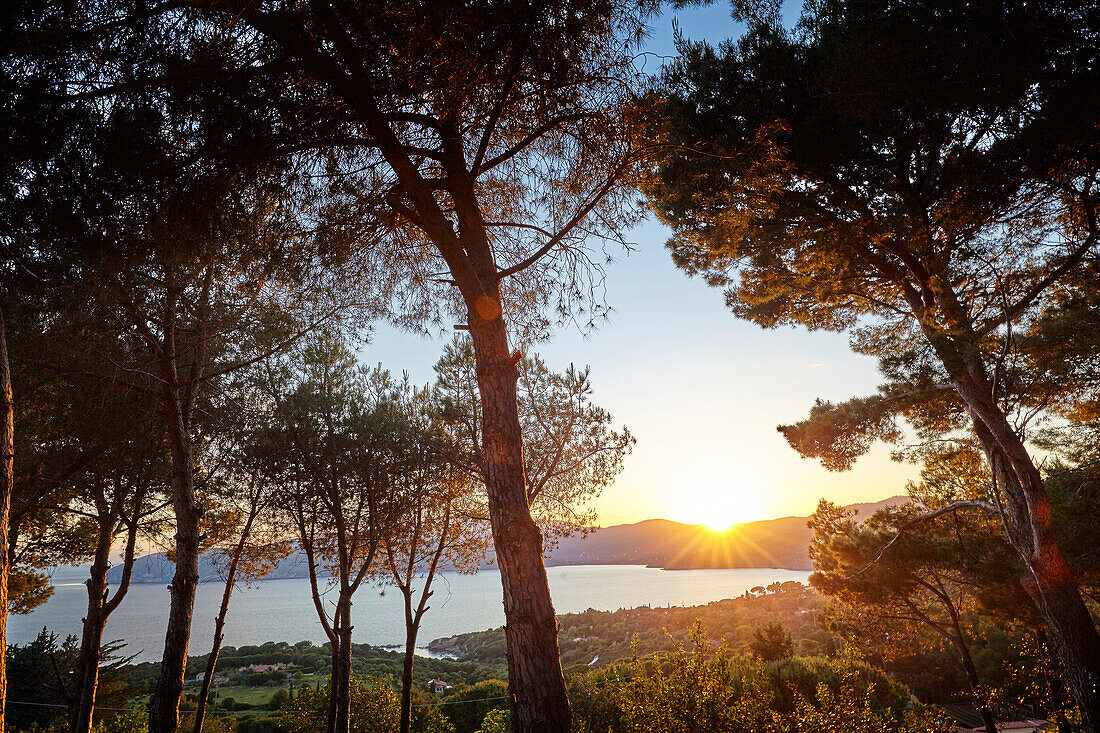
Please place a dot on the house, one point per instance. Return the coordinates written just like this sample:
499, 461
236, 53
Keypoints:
438, 686
200, 676
264, 668
219, 681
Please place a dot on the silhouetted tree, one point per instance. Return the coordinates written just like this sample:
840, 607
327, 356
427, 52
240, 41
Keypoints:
335, 442
921, 581
494, 136
924, 175
248, 543
442, 526
771, 641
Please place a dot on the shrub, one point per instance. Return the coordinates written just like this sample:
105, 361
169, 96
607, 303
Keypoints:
495, 721
467, 716
771, 641
135, 721
374, 708
702, 688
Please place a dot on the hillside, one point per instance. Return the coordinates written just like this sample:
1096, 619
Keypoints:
157, 568
606, 636
768, 543
660, 543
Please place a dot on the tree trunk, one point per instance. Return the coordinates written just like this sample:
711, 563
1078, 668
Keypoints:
972, 679
91, 639
411, 630
1028, 520
165, 700
211, 662
305, 537
1051, 582
219, 626
219, 622
1073, 636
535, 681
7, 477
334, 675
413, 617
341, 683
1030, 527
87, 668
100, 608
1055, 691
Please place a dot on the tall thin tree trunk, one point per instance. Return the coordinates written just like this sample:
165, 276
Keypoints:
219, 622
413, 617
971, 674
91, 639
178, 402
341, 685
87, 670
100, 608
305, 536
535, 681
7, 478
333, 677
212, 660
1051, 582
339, 697
411, 629
165, 700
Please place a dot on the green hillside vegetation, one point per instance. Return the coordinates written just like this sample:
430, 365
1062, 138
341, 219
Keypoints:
306, 664
594, 638
771, 659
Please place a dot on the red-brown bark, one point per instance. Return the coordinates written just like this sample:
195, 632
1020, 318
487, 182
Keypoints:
100, 607
1029, 519
535, 681
7, 478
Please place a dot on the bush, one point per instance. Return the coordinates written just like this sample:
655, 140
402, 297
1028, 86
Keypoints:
795, 677
771, 641
260, 725
495, 721
135, 721
704, 688
468, 716
374, 708
437, 722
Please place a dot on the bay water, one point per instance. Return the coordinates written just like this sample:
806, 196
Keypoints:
282, 610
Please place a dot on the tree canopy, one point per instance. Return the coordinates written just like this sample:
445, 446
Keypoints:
923, 176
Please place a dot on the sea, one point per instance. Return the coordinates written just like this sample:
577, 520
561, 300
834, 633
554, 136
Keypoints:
283, 610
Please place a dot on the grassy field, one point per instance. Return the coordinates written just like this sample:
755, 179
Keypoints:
259, 697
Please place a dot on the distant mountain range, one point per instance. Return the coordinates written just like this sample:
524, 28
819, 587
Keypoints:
157, 568
660, 543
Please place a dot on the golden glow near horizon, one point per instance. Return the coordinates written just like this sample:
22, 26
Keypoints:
703, 393
763, 484
717, 501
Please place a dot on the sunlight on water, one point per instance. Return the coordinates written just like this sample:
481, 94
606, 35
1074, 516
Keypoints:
282, 610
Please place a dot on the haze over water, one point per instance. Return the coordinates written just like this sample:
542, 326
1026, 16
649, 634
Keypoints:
282, 610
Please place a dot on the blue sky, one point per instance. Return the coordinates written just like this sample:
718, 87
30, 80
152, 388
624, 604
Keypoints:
701, 390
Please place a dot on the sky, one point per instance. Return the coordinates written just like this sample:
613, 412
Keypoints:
701, 390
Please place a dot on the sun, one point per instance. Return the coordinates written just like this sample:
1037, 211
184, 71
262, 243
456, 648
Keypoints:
721, 526
719, 505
